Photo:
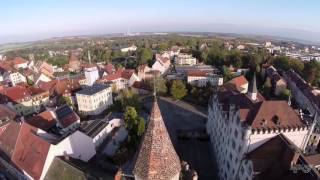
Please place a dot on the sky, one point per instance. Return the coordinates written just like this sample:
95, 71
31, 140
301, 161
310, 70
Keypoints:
22, 20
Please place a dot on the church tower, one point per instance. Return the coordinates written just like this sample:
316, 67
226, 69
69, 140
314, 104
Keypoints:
157, 158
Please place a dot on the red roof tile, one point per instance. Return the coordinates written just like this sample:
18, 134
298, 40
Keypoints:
9, 137
31, 151
19, 60
44, 120
6, 112
157, 158
15, 94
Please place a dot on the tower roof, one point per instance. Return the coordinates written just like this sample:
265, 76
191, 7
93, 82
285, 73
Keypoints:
157, 158
253, 85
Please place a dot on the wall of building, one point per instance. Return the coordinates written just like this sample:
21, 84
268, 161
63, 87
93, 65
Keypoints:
77, 145
231, 139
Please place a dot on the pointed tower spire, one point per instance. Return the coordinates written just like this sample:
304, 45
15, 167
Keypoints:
252, 89
157, 158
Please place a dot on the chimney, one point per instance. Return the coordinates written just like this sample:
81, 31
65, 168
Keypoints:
66, 156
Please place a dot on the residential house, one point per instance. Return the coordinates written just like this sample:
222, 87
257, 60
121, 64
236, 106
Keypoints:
202, 78
162, 63
28, 152
278, 83
122, 78
99, 130
94, 99
19, 63
25, 100
185, 59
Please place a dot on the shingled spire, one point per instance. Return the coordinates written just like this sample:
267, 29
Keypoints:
157, 158
252, 90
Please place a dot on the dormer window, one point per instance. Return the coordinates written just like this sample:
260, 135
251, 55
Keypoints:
276, 120
263, 122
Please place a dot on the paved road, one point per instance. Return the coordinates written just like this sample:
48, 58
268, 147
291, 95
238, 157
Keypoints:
180, 115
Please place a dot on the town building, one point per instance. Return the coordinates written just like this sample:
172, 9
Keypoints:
19, 63
94, 99
25, 100
278, 83
157, 158
239, 122
278, 158
121, 79
92, 75
28, 152
185, 59
308, 98
162, 63
202, 78
99, 130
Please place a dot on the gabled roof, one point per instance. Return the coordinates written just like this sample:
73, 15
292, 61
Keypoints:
66, 116
157, 158
31, 151
260, 114
44, 120
19, 60
236, 83
6, 112
9, 138
59, 169
15, 94
274, 158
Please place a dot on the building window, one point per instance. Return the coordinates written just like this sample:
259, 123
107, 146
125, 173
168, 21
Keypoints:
236, 133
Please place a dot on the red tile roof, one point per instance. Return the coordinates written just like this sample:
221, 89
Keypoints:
198, 73
120, 73
9, 137
6, 112
19, 60
44, 120
31, 151
109, 68
274, 159
236, 83
15, 94
157, 158
261, 114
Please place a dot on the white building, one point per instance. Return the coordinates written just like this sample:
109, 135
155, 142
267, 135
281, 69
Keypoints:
185, 59
91, 74
239, 123
94, 99
98, 130
16, 77
162, 63
202, 78
128, 49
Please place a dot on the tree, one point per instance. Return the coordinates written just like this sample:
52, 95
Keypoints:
129, 98
281, 62
227, 75
178, 89
130, 117
234, 58
144, 55
160, 84
297, 65
141, 126
267, 86
311, 71
285, 94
